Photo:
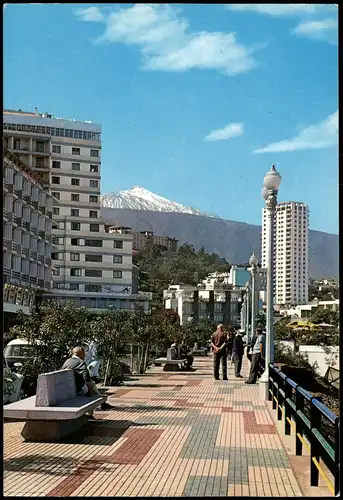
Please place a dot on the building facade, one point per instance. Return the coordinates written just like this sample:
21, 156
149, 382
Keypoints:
144, 238
192, 304
27, 237
291, 262
93, 264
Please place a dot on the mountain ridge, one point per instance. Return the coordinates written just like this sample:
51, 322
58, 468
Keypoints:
233, 240
139, 198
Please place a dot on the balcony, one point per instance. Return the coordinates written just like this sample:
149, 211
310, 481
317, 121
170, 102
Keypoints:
41, 234
41, 208
33, 281
34, 204
26, 225
41, 259
34, 230
6, 184
25, 278
33, 255
17, 248
27, 198
25, 252
5, 215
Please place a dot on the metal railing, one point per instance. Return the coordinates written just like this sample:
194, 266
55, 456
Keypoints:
309, 418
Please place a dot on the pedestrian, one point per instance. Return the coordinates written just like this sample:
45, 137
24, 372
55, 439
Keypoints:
258, 352
237, 353
230, 337
219, 345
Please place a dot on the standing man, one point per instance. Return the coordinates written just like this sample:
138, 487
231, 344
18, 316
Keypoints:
219, 339
258, 352
237, 353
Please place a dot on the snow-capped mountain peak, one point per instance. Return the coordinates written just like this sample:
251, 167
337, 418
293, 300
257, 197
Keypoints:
139, 198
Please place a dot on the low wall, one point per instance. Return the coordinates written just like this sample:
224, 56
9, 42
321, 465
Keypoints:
316, 354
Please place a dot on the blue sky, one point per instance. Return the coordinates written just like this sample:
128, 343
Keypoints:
196, 101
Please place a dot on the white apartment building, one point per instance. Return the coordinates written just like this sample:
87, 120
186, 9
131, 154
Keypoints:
291, 262
93, 266
191, 303
27, 238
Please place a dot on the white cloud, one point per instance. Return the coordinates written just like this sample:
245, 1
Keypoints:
93, 14
326, 29
166, 42
281, 9
222, 134
321, 135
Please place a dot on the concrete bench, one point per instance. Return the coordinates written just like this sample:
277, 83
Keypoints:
56, 411
199, 352
170, 365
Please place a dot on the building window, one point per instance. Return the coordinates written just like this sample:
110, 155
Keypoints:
55, 180
40, 147
74, 286
117, 259
56, 149
117, 244
75, 256
93, 183
94, 228
75, 182
93, 288
75, 151
93, 243
56, 271
75, 272
56, 195
75, 226
94, 168
93, 199
117, 274
59, 241
56, 256
93, 258
95, 153
75, 197
56, 164
39, 162
93, 273
74, 242
75, 166
74, 212
55, 211
93, 214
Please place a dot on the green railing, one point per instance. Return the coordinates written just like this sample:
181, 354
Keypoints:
311, 419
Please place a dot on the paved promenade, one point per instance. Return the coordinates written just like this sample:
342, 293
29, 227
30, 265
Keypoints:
171, 434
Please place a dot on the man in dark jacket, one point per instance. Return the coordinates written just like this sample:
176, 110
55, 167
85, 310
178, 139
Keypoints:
237, 353
84, 384
219, 343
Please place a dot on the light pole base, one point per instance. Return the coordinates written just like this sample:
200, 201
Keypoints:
264, 387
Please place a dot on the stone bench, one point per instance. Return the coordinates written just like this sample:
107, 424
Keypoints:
199, 352
170, 365
55, 411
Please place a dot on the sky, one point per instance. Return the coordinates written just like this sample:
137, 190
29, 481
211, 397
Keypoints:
196, 101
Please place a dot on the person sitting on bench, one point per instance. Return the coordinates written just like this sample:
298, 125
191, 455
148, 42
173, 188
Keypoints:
84, 384
184, 353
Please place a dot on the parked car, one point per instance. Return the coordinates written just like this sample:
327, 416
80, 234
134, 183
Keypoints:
16, 352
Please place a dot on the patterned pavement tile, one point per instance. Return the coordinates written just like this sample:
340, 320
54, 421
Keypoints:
168, 435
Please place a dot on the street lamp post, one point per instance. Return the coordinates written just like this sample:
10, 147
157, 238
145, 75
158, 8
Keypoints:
247, 321
243, 314
271, 181
253, 261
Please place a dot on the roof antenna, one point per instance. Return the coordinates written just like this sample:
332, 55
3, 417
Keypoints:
36, 110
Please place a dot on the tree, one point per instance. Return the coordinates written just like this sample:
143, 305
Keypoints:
325, 316
261, 320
